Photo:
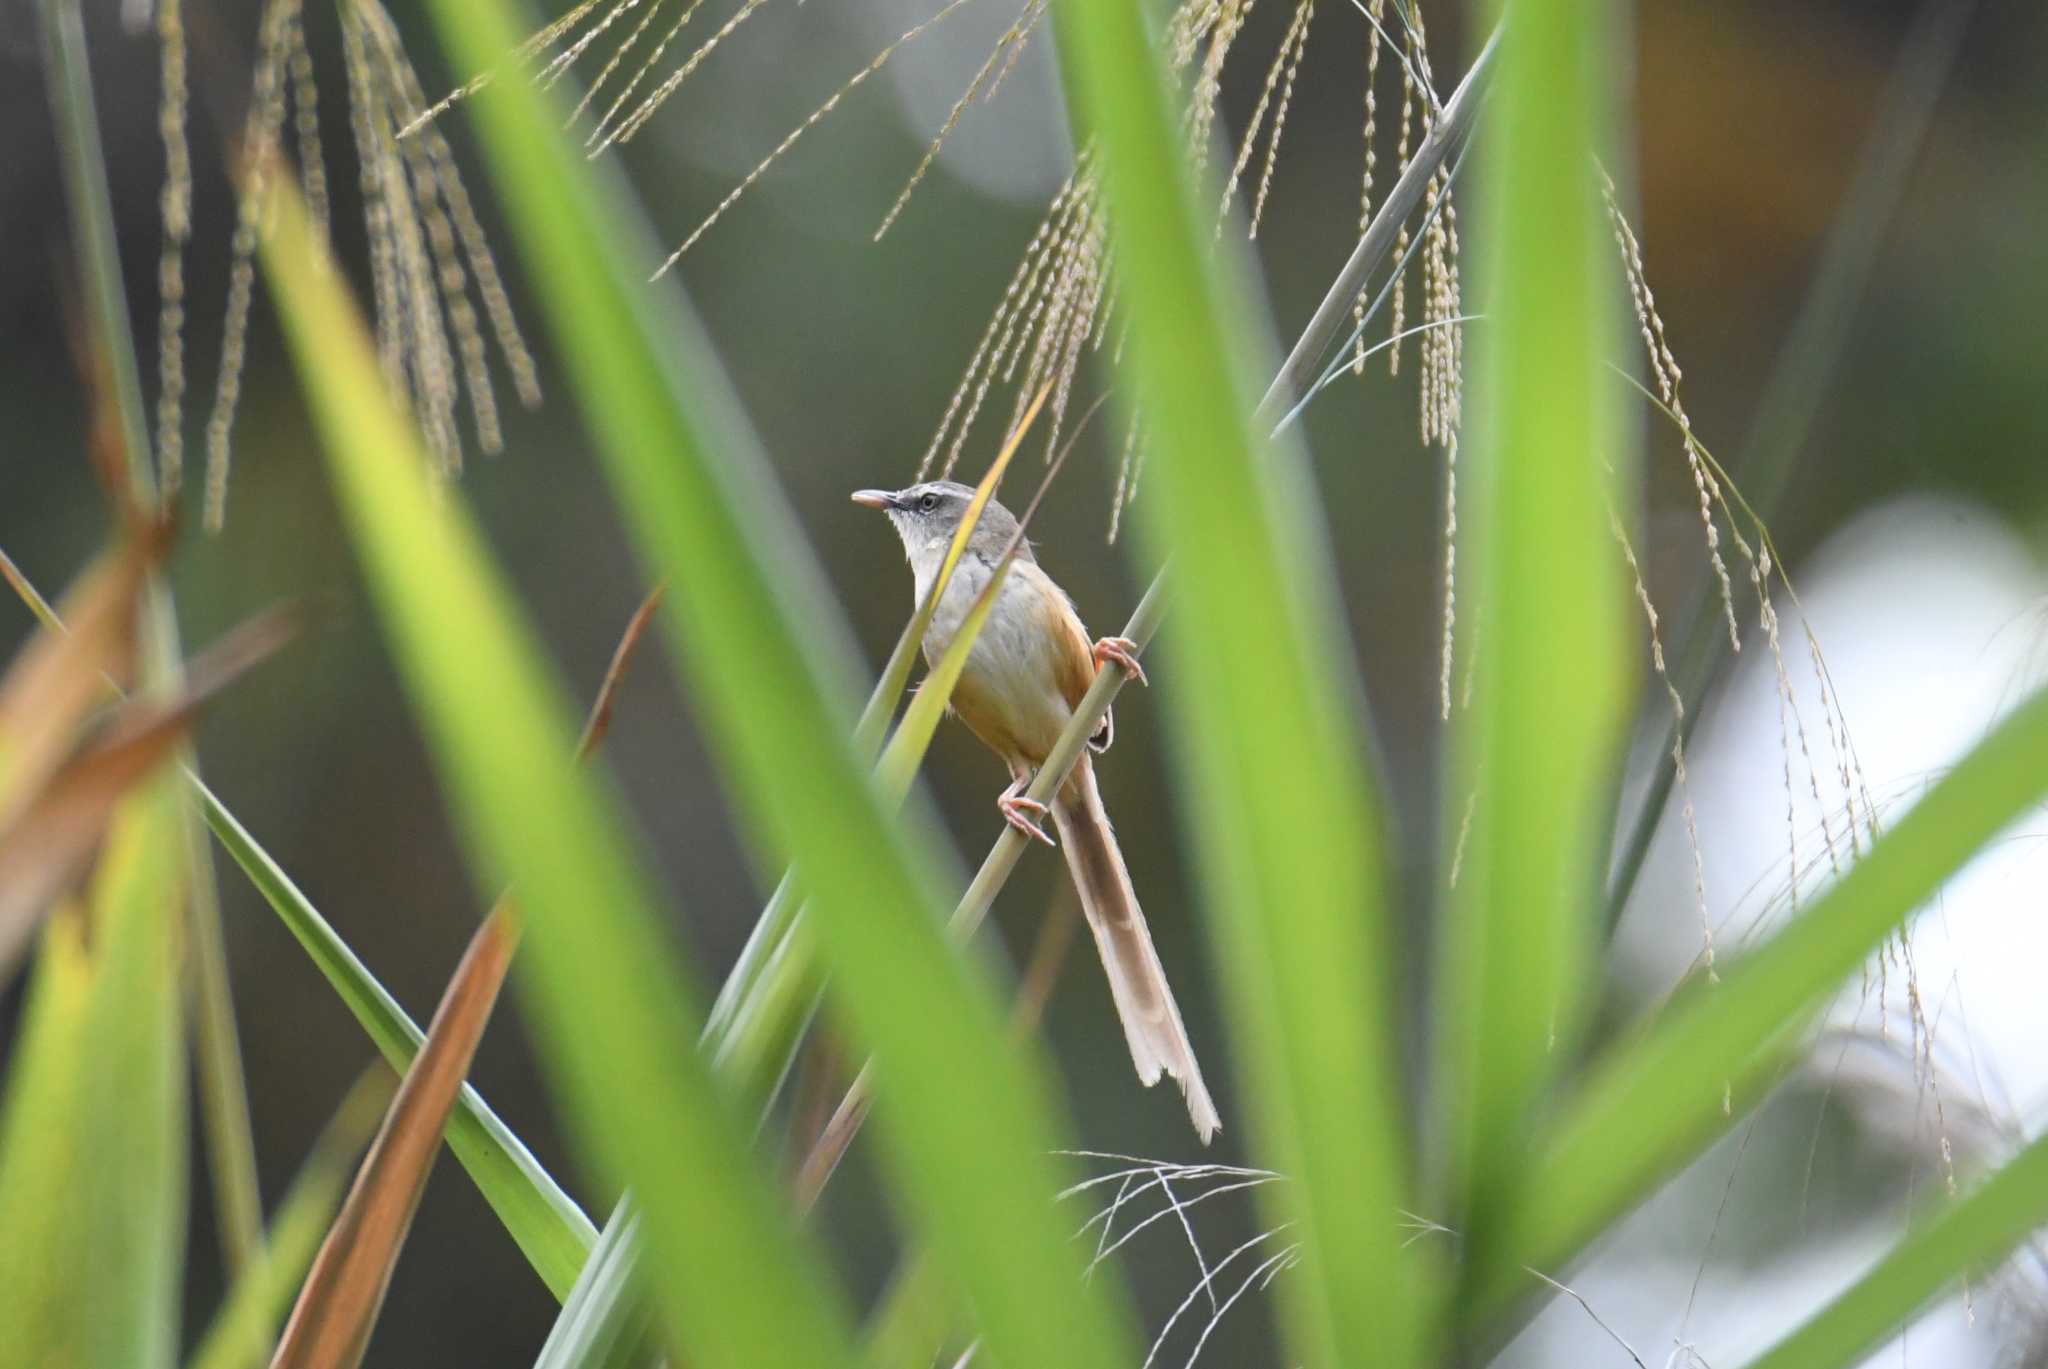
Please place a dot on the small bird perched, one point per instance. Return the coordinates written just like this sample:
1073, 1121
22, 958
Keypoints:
1023, 679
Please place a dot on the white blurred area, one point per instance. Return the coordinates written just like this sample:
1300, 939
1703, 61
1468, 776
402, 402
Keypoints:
734, 111
1930, 617
1013, 147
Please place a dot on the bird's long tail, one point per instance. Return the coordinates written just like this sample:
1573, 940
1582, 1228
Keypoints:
1159, 1043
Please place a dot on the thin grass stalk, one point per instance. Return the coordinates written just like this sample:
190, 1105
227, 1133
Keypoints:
1444, 136
554, 1234
1284, 813
231, 1150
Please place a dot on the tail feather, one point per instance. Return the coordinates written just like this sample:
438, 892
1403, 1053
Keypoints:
1137, 982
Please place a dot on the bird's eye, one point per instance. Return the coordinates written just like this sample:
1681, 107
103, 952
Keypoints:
928, 503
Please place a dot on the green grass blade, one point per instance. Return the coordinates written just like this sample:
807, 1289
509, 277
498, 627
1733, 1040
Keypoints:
549, 1227
1533, 755
913, 736
1652, 1105
1960, 1239
965, 1116
614, 1015
245, 1328
1271, 755
93, 1137
603, 1322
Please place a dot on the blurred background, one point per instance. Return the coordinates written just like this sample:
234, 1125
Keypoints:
1912, 522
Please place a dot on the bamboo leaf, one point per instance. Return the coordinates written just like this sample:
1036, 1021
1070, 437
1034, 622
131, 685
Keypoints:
1269, 753
741, 1288
965, 1117
337, 1308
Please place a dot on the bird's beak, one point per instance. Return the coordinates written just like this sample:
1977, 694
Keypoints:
875, 499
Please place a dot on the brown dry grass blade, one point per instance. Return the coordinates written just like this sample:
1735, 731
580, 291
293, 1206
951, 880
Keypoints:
54, 830
599, 721
61, 676
337, 1308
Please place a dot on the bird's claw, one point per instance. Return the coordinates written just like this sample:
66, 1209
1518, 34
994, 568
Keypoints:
1024, 814
1124, 652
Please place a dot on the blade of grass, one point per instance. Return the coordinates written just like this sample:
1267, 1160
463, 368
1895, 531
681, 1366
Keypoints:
92, 1139
548, 1226
336, 1312
966, 1118
1959, 1240
1532, 756
604, 1321
1268, 750
740, 1287
1651, 1105
245, 1328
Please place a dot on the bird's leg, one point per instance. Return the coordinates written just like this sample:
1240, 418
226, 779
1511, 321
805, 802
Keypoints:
1024, 814
1124, 652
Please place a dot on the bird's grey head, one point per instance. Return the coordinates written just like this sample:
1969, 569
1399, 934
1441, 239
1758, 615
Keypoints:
927, 515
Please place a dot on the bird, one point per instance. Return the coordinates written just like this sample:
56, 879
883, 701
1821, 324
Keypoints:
1026, 673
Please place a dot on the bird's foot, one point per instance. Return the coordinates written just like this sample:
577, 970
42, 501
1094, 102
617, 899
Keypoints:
1124, 652
1024, 814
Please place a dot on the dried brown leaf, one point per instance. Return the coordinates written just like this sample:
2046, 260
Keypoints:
61, 676
45, 846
